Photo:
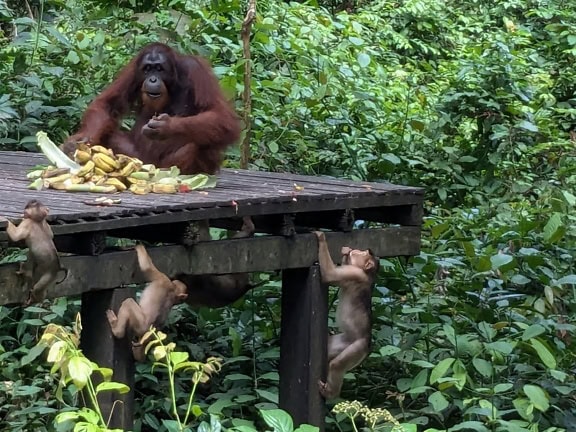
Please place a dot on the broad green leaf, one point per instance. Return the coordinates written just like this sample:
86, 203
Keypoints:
32, 355
552, 228
278, 419
570, 198
389, 350
272, 397
567, 280
525, 408
501, 346
533, 331
307, 428
459, 372
79, 369
544, 354
528, 126
356, 40
537, 396
420, 379
501, 388
483, 367
438, 401
500, 260
363, 60
519, 279
441, 368
107, 386
469, 426
177, 357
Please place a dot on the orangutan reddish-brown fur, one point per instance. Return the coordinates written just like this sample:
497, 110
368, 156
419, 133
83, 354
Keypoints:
182, 116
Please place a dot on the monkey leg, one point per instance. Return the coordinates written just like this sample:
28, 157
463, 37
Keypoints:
130, 313
38, 292
348, 359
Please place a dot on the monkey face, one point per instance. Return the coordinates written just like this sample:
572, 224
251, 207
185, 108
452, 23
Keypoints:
180, 291
36, 211
363, 259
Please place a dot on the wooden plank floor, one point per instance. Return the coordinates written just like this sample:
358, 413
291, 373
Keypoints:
238, 193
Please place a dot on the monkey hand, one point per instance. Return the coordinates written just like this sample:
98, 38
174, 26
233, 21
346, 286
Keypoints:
70, 145
112, 318
325, 390
158, 126
320, 235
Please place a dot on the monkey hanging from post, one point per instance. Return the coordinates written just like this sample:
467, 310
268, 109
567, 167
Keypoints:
355, 278
156, 300
218, 290
42, 269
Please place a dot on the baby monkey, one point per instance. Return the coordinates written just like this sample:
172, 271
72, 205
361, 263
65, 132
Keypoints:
42, 268
156, 300
355, 278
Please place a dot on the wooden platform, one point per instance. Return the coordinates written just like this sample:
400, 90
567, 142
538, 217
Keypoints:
284, 208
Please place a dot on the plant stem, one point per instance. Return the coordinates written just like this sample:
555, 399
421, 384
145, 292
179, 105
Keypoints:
190, 403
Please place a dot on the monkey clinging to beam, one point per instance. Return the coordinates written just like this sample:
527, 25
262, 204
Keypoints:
156, 300
355, 278
42, 268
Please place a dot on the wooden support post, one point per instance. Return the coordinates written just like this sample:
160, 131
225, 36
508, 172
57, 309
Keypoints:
303, 345
100, 346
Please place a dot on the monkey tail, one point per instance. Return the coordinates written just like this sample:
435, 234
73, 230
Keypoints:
65, 271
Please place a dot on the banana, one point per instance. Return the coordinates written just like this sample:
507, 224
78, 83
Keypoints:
148, 167
105, 162
116, 183
102, 150
140, 175
128, 169
55, 172
140, 189
161, 188
86, 169
100, 172
57, 179
82, 156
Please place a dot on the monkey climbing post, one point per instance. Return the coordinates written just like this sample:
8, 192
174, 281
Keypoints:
284, 208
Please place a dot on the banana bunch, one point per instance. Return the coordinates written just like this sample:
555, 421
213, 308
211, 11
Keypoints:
102, 171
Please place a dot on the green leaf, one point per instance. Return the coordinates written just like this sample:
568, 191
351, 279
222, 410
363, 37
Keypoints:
459, 372
544, 354
363, 60
177, 357
501, 388
501, 346
438, 401
566, 280
79, 369
537, 396
441, 368
469, 426
389, 350
533, 331
500, 260
553, 229
519, 279
107, 386
278, 419
272, 397
32, 355
307, 428
528, 126
483, 367
356, 40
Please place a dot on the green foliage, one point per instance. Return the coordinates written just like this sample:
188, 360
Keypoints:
472, 100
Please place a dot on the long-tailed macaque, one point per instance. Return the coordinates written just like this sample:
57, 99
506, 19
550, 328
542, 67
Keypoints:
355, 278
218, 290
156, 300
42, 269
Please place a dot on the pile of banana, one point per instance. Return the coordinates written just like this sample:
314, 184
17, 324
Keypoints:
101, 171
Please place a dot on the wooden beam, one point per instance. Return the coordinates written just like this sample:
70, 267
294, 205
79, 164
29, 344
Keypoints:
264, 253
99, 345
303, 345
